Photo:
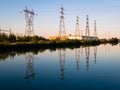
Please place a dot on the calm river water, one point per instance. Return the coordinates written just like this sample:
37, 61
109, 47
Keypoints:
84, 68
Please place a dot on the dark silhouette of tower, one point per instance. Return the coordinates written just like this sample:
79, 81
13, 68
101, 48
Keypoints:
29, 16
29, 66
95, 30
62, 54
87, 34
87, 51
77, 31
62, 33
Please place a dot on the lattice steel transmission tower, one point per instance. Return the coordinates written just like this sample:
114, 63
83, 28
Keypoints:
87, 34
29, 16
77, 31
5, 31
62, 33
95, 30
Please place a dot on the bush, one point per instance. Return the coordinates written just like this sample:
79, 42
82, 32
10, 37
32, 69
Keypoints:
52, 42
3, 37
12, 38
35, 38
113, 40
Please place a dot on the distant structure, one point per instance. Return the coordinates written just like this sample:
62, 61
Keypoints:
5, 31
87, 33
79, 36
95, 30
77, 31
29, 16
81, 32
62, 33
19, 34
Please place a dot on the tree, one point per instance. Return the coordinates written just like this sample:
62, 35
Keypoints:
35, 38
12, 38
3, 37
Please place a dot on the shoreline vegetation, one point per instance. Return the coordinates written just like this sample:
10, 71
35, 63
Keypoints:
12, 42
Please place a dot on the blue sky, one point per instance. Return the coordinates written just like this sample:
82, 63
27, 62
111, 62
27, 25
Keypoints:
105, 12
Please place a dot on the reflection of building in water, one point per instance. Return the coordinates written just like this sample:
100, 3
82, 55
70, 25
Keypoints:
87, 51
95, 54
77, 55
29, 66
62, 53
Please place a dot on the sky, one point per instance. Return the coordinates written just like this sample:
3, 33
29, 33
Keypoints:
46, 23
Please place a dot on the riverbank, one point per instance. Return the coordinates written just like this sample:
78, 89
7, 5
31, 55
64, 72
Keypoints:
32, 45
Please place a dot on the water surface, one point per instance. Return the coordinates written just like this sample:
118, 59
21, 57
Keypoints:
95, 67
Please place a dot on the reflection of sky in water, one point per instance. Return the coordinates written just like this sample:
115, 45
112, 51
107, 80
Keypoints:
72, 72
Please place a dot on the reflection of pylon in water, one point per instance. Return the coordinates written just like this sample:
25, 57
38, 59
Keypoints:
62, 54
29, 66
81, 49
87, 51
77, 55
95, 54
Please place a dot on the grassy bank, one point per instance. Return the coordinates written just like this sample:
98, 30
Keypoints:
46, 44
11, 49
13, 42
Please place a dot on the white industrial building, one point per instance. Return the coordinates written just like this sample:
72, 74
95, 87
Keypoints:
83, 38
75, 37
